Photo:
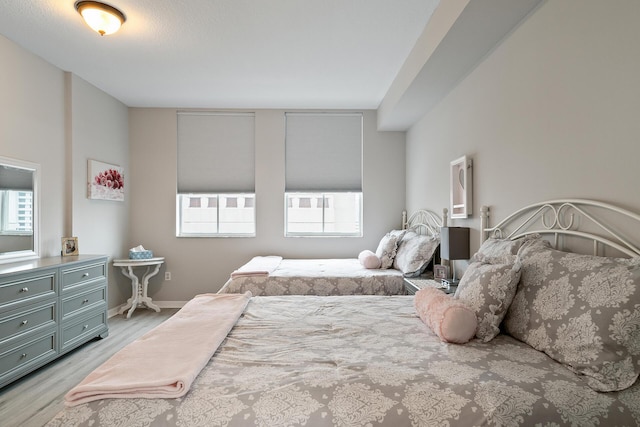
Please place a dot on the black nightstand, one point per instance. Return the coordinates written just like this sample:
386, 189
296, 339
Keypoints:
414, 284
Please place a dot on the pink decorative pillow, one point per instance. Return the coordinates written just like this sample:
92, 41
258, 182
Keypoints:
449, 318
369, 260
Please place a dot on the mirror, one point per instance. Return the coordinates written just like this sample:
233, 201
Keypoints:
19, 182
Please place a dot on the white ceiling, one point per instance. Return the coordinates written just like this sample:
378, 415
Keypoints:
229, 53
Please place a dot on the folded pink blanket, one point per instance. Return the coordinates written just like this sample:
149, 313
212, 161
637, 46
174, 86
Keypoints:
164, 362
258, 266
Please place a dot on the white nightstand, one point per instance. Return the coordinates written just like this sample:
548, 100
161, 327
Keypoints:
414, 284
450, 283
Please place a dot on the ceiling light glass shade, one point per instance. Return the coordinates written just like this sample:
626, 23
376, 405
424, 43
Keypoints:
103, 18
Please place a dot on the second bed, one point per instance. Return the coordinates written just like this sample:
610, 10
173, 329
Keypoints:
410, 252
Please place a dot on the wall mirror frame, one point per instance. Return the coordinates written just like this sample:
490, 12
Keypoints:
461, 182
19, 210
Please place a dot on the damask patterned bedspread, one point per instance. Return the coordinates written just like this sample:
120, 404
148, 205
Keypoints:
366, 360
320, 277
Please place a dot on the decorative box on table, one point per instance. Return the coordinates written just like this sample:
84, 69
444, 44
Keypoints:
146, 254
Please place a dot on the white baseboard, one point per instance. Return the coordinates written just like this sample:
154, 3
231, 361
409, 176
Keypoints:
162, 304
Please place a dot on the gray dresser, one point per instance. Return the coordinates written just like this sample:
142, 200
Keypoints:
49, 306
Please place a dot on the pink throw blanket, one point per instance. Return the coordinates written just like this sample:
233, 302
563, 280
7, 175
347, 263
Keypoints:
258, 266
164, 362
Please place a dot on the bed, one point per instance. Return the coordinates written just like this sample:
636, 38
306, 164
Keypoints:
408, 251
368, 360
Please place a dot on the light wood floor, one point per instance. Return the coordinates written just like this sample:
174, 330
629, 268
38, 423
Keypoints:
36, 398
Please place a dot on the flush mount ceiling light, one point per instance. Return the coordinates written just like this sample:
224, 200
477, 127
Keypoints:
101, 17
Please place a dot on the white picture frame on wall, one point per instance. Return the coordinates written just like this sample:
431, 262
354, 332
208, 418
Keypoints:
105, 181
461, 182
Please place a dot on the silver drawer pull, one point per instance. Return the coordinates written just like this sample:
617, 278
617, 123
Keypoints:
23, 355
84, 301
24, 290
85, 275
85, 327
24, 322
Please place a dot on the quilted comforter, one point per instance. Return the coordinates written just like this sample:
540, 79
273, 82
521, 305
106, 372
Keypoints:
319, 277
366, 361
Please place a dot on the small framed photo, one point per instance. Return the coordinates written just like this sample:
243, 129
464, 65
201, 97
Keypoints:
440, 272
69, 246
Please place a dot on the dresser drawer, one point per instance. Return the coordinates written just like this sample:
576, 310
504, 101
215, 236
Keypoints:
84, 300
19, 322
76, 332
27, 290
31, 353
73, 277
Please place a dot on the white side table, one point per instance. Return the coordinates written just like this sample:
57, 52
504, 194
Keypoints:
139, 290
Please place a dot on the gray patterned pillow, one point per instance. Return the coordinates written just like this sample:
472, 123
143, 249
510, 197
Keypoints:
388, 246
414, 253
581, 310
488, 288
494, 247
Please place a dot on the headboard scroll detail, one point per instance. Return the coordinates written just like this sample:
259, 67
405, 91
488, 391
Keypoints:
424, 222
584, 219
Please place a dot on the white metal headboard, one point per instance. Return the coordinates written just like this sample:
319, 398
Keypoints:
424, 221
585, 219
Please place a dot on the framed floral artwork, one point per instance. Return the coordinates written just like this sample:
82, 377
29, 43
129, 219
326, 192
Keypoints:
106, 182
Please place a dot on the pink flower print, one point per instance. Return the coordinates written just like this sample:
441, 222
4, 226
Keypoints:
110, 178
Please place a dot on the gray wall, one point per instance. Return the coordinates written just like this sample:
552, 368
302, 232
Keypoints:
98, 130
59, 121
203, 264
552, 112
32, 128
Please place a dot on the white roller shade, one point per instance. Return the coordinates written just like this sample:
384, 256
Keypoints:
216, 152
16, 179
323, 152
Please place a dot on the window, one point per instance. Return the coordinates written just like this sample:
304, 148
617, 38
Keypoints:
195, 202
216, 189
324, 214
323, 194
216, 214
16, 212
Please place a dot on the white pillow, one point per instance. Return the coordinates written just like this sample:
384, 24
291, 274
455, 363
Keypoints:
414, 253
369, 260
388, 246
495, 248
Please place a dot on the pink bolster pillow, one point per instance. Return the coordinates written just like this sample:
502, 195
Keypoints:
449, 318
369, 260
